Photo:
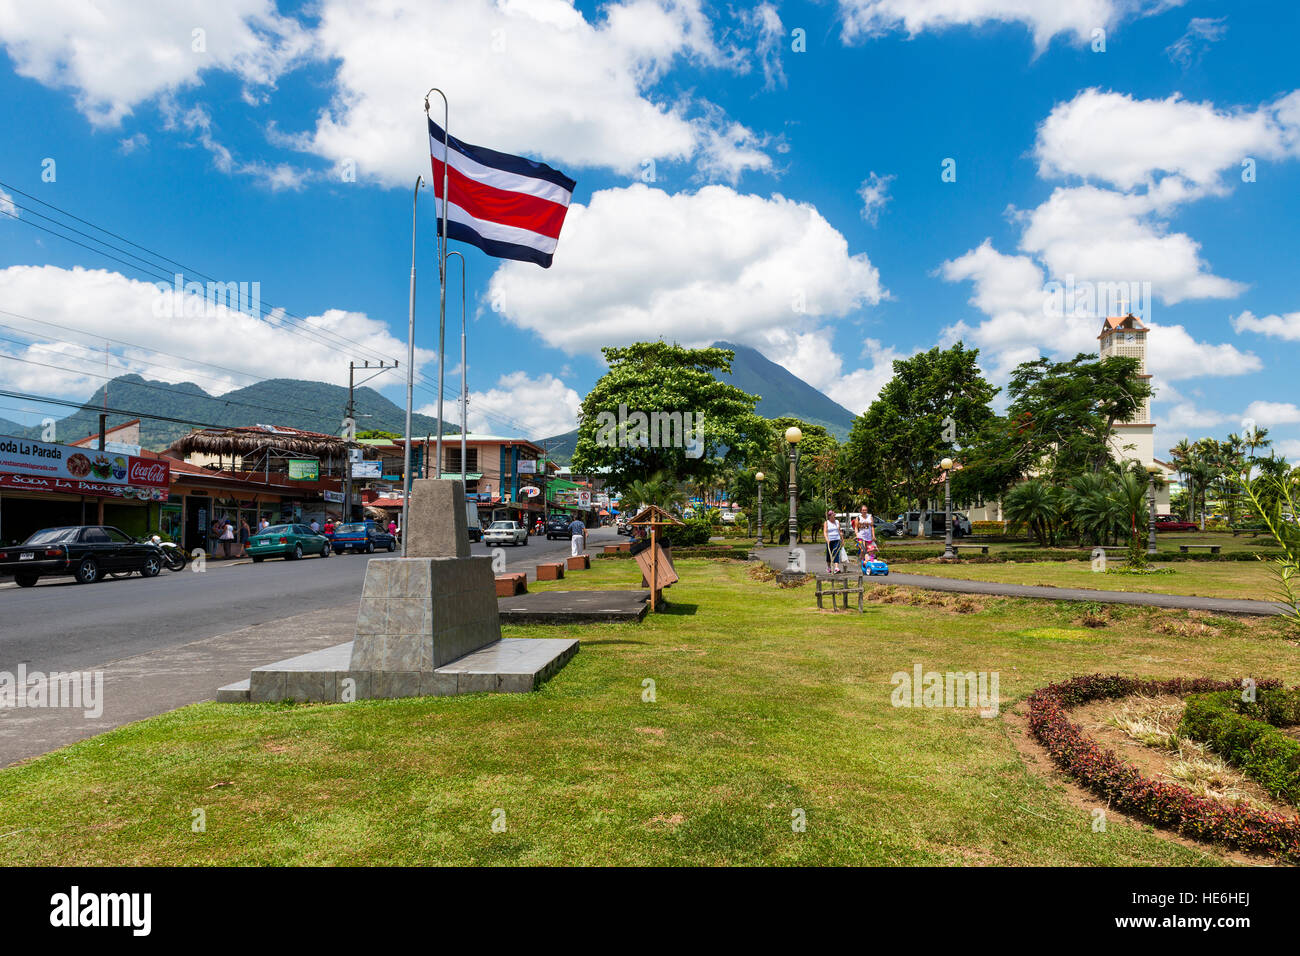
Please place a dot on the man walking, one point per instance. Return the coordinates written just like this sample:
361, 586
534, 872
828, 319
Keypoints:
577, 537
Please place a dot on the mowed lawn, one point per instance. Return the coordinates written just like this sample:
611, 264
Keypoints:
765, 711
1223, 579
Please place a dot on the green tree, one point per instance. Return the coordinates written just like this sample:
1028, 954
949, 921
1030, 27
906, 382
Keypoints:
663, 383
936, 402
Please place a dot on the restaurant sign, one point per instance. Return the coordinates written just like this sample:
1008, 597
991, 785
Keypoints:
304, 469
45, 466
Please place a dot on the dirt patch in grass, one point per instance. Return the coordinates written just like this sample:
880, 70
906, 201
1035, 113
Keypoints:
919, 597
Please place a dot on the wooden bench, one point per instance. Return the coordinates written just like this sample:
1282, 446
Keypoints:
550, 571
1253, 532
508, 585
984, 548
837, 588
579, 562
1213, 548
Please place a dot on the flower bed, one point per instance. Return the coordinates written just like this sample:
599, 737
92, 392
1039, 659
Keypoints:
1123, 785
1245, 734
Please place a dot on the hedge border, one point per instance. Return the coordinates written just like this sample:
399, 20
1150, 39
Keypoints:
1124, 786
1246, 735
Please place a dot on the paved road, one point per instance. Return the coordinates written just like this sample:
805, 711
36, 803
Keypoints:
776, 557
60, 625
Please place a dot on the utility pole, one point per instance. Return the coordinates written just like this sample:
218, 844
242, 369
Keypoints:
350, 426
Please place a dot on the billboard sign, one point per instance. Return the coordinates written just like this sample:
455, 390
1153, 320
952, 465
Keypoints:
304, 469
45, 466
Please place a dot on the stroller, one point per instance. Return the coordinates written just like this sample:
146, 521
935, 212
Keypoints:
867, 557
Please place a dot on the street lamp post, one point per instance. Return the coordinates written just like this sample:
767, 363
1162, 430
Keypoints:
759, 478
1152, 470
793, 435
948, 553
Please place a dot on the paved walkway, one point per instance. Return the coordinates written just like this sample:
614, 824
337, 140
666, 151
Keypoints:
776, 558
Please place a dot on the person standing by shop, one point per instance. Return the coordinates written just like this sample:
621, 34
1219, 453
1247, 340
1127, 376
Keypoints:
227, 537
244, 535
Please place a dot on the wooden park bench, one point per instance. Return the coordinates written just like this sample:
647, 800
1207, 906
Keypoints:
1253, 532
1213, 548
837, 588
984, 548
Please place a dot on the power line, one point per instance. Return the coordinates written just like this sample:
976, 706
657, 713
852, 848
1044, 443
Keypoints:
301, 326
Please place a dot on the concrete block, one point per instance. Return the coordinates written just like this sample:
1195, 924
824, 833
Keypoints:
436, 520
391, 684
550, 571
236, 693
579, 562
508, 585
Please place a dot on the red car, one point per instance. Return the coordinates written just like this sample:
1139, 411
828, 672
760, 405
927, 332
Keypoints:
1172, 523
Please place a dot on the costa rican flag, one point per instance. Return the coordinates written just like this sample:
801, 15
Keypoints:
508, 206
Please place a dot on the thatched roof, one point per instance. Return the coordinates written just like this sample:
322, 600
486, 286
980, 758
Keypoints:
254, 440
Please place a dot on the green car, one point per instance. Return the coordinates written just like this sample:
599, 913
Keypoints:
288, 541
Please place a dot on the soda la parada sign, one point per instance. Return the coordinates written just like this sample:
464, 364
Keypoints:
45, 466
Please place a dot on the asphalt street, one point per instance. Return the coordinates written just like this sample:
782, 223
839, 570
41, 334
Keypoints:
61, 625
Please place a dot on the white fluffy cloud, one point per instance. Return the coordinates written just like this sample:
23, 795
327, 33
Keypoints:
1275, 326
116, 54
529, 76
874, 193
1044, 18
1130, 142
104, 303
1268, 414
544, 406
690, 267
7, 207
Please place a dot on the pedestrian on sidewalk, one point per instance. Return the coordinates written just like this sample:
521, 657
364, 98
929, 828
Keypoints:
577, 537
864, 528
243, 537
227, 537
834, 542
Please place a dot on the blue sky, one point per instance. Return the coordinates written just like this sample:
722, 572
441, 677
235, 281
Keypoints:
729, 186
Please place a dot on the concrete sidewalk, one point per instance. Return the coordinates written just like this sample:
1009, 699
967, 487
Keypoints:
776, 558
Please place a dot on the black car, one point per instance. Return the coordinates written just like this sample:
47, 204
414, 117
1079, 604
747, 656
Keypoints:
558, 528
87, 553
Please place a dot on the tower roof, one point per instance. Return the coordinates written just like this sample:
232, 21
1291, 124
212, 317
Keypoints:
1124, 323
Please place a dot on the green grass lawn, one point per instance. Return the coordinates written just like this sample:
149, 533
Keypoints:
763, 708
1224, 579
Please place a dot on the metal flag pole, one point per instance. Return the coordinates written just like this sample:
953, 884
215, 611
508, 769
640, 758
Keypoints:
442, 261
464, 392
410, 375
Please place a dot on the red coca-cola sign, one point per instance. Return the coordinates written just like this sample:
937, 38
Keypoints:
145, 471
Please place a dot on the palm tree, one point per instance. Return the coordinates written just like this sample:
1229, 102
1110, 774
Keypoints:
1037, 505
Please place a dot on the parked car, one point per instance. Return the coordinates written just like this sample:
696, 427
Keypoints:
728, 517
364, 537
623, 525
1174, 523
288, 541
558, 527
86, 552
506, 532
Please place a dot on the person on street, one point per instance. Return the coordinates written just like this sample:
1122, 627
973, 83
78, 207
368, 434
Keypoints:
578, 537
392, 527
265, 524
227, 538
315, 526
243, 536
834, 542
864, 529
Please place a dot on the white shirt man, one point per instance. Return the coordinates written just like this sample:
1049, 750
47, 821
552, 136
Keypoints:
315, 526
578, 537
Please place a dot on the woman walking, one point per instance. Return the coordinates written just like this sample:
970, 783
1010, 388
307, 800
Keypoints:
834, 542
864, 528
244, 534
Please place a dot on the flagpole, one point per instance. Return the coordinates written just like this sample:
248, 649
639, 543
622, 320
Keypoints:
410, 375
442, 260
464, 380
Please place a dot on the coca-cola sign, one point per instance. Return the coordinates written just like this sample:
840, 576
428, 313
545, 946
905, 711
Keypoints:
143, 471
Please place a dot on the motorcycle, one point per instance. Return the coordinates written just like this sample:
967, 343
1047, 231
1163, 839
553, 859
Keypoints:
173, 556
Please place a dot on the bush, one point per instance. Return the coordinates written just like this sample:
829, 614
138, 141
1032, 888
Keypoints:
988, 527
1246, 735
1122, 784
696, 532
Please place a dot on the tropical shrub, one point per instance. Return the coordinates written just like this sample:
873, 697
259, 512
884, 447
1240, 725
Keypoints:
1245, 734
1123, 786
